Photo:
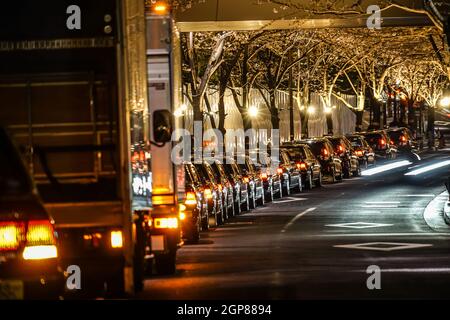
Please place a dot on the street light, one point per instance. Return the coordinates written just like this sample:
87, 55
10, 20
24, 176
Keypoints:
311, 110
445, 102
253, 111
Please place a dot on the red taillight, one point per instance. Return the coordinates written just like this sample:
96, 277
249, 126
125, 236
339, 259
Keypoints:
302, 166
246, 180
280, 170
40, 233
325, 152
11, 235
340, 149
382, 142
359, 153
264, 176
14, 235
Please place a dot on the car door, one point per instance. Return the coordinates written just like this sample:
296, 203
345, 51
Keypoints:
313, 162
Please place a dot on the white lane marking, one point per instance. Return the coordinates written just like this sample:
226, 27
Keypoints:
291, 200
301, 214
382, 202
406, 234
379, 206
386, 167
383, 246
428, 168
369, 212
359, 225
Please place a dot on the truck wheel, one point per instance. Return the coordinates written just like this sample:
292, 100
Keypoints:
166, 263
115, 286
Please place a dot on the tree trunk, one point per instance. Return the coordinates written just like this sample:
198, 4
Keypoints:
376, 111
275, 119
359, 120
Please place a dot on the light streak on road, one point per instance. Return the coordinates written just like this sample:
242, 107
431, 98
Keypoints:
428, 168
386, 167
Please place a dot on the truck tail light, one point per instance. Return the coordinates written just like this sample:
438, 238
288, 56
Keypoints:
191, 199
116, 239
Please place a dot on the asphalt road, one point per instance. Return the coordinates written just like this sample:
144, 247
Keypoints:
296, 248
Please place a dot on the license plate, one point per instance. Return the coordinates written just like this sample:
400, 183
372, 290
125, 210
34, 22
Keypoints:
158, 243
11, 290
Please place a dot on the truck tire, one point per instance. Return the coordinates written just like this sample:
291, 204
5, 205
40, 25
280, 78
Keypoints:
115, 286
166, 263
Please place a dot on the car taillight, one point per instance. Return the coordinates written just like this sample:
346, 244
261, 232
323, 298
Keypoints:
40, 233
382, 142
340, 149
264, 176
302, 166
40, 241
11, 235
324, 152
403, 139
280, 170
359, 153
208, 194
191, 199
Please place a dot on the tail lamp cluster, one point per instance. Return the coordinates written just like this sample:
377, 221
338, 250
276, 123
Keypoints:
35, 237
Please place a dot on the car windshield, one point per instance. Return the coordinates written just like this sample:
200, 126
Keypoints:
316, 147
395, 135
14, 179
356, 141
297, 153
373, 138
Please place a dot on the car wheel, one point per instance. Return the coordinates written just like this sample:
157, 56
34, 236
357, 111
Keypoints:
299, 185
253, 200
287, 190
237, 205
333, 175
246, 205
357, 173
309, 181
269, 195
205, 219
261, 201
319, 182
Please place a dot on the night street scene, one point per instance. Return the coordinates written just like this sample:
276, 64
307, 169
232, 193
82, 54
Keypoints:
224, 150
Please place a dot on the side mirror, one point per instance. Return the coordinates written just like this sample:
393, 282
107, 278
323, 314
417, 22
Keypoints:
162, 126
